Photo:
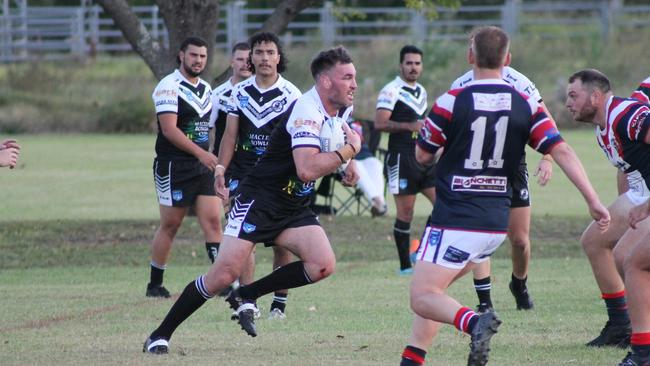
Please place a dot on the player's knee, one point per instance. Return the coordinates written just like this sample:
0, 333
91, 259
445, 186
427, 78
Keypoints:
519, 241
321, 269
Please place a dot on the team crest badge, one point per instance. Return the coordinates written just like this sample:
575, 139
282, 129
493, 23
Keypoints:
177, 195
434, 237
403, 183
243, 101
523, 194
248, 228
234, 183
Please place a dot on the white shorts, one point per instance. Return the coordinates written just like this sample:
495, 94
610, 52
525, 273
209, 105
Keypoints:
638, 192
453, 248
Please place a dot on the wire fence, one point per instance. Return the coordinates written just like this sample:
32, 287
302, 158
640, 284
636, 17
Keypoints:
28, 33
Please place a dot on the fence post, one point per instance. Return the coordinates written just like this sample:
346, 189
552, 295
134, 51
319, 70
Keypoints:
5, 37
418, 26
510, 16
327, 24
608, 11
78, 46
235, 27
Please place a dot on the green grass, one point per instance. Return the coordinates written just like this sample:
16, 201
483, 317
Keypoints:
109, 177
360, 316
78, 214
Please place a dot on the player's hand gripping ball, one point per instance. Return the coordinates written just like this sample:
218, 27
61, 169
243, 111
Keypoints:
333, 138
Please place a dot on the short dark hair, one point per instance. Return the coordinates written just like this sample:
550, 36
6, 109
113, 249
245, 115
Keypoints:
490, 45
409, 49
263, 37
240, 46
592, 78
191, 40
325, 60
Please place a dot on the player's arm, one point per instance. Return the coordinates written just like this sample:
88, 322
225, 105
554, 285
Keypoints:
178, 139
312, 164
226, 152
544, 170
212, 131
621, 182
384, 123
568, 161
229, 140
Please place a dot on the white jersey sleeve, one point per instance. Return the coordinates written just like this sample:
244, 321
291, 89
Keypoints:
387, 97
165, 96
521, 83
304, 124
461, 81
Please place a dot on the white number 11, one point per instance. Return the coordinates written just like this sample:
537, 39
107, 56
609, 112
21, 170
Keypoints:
478, 127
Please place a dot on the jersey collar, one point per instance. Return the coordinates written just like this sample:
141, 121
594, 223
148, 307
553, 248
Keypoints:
182, 77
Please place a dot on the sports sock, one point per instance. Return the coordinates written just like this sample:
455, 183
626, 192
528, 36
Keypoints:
279, 301
465, 320
212, 249
483, 287
402, 233
616, 307
156, 275
193, 297
518, 284
413, 356
640, 344
290, 276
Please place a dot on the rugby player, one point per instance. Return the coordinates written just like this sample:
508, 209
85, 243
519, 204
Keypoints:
273, 202
483, 129
183, 165
401, 106
619, 257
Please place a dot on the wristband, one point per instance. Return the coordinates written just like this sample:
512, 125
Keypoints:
340, 156
353, 148
219, 166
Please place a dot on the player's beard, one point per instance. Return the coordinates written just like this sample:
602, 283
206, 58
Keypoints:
587, 113
191, 72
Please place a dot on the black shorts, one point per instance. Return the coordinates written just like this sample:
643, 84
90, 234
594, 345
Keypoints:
257, 221
179, 182
519, 182
405, 175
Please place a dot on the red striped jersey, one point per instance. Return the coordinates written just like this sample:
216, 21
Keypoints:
642, 93
484, 128
622, 138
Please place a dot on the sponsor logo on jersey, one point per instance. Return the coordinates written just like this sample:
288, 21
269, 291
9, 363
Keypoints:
243, 101
455, 255
479, 183
248, 228
492, 102
177, 195
523, 194
166, 93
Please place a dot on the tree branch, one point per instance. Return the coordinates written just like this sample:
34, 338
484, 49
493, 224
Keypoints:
151, 51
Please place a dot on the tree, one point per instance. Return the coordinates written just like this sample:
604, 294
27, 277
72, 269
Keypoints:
200, 17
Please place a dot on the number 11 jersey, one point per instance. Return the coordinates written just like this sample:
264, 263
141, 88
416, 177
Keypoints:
483, 128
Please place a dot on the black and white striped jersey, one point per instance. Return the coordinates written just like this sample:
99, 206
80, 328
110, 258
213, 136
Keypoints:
408, 104
258, 110
191, 103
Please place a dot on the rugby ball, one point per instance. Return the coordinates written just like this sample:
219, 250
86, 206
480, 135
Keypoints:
332, 137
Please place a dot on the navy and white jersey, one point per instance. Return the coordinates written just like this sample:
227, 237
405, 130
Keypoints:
622, 138
511, 76
642, 93
407, 104
259, 110
275, 179
220, 98
191, 103
483, 128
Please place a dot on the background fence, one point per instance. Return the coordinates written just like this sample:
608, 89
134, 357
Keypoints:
59, 32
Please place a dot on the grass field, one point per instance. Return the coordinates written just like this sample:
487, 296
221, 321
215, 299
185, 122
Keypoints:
76, 220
